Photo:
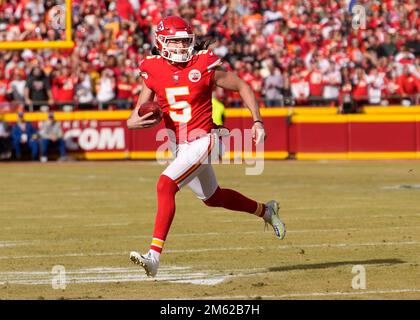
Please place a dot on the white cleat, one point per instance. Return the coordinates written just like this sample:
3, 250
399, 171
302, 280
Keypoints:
149, 264
274, 220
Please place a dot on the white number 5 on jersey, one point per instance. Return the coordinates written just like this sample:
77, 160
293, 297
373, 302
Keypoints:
176, 106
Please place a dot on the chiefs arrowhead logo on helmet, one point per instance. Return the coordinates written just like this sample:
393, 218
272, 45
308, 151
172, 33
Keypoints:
160, 26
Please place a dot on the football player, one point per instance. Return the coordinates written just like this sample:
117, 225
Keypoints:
182, 79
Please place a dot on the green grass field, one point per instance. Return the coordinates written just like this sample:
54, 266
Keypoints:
88, 216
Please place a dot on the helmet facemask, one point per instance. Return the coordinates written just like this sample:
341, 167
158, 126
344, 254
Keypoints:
173, 53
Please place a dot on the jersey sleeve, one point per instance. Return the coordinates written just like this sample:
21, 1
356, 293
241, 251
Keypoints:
213, 60
145, 72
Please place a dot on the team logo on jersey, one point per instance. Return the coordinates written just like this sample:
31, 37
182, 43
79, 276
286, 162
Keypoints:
194, 75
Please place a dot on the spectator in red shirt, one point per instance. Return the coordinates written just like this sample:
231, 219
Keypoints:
360, 88
3, 87
125, 10
299, 87
64, 87
316, 85
392, 89
247, 75
408, 85
124, 92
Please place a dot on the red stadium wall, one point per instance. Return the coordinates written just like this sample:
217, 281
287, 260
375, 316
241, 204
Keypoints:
356, 137
143, 145
276, 123
104, 135
306, 134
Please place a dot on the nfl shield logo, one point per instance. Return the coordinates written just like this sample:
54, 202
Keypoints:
175, 77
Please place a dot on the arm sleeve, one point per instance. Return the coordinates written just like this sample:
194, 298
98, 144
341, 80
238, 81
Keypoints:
213, 62
144, 69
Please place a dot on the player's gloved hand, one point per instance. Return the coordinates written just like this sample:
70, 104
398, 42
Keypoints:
258, 132
136, 122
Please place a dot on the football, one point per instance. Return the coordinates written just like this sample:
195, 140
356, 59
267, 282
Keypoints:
151, 106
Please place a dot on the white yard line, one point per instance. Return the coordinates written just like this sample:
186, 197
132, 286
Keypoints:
197, 234
111, 275
17, 243
216, 249
291, 217
176, 274
43, 256
321, 245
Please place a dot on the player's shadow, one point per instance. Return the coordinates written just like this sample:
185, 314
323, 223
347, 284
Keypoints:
335, 264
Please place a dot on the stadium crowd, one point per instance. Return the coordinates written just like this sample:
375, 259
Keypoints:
291, 52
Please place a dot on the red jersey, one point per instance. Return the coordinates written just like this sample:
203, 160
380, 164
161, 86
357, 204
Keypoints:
3, 90
407, 84
316, 84
125, 9
360, 90
63, 88
124, 90
183, 91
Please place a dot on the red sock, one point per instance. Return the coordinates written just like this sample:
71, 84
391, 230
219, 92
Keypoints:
166, 190
233, 200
